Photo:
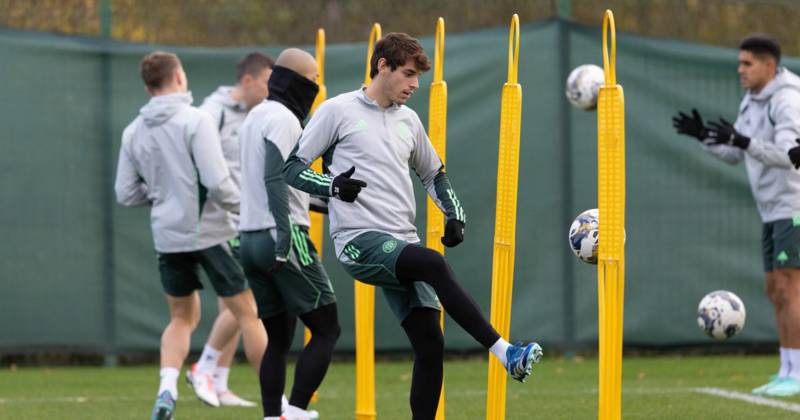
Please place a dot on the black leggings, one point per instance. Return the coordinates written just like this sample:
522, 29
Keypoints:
423, 331
417, 263
311, 365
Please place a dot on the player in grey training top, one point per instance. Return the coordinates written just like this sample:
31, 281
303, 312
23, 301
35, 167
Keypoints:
171, 160
371, 135
765, 129
228, 106
280, 261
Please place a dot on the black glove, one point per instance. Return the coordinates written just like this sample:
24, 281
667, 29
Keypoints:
794, 155
722, 132
453, 233
690, 126
345, 188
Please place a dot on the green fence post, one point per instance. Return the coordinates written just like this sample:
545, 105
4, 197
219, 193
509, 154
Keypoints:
568, 297
110, 348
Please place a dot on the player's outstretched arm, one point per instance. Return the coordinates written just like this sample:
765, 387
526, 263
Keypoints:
278, 199
319, 134
693, 126
298, 174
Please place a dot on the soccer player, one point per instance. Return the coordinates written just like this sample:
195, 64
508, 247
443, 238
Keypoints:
765, 129
370, 134
171, 160
278, 256
229, 105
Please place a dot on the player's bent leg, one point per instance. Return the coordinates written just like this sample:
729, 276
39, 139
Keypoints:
312, 365
224, 336
226, 323
175, 342
228, 280
272, 375
229, 349
425, 334
225, 328
184, 313
417, 263
254, 335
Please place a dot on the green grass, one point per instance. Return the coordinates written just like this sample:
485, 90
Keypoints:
653, 388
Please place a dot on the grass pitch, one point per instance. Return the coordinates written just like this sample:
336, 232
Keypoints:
653, 388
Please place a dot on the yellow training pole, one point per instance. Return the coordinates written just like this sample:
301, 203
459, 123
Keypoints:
437, 131
611, 253
317, 219
505, 221
365, 310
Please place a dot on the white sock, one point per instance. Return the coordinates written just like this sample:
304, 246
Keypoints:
794, 363
221, 379
284, 403
208, 360
499, 350
169, 381
785, 365
272, 418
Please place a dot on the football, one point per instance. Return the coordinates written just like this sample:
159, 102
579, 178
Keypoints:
721, 315
583, 236
583, 85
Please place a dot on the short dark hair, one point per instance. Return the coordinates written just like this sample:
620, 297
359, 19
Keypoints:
253, 64
761, 45
397, 48
157, 67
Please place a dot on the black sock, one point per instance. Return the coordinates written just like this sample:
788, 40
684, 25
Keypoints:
316, 356
417, 263
423, 331
272, 375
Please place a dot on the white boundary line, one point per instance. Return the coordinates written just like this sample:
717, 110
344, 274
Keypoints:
795, 408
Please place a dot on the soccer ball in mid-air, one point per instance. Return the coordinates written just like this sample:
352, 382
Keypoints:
721, 314
583, 86
583, 236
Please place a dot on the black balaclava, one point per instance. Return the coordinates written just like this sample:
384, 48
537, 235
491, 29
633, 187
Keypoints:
292, 90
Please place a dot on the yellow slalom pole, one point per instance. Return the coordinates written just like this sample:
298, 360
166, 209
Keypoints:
437, 131
611, 204
365, 310
317, 219
505, 221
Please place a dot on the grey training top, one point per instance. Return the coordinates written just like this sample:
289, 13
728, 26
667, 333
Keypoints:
229, 116
771, 118
267, 137
383, 144
171, 159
